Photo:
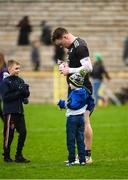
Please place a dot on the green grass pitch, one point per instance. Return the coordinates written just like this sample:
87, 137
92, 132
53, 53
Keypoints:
46, 147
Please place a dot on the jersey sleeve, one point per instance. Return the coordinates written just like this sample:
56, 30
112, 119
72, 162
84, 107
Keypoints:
82, 52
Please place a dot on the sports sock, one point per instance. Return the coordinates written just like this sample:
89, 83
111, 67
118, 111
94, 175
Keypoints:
88, 153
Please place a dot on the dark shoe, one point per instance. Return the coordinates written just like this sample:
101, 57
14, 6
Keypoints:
21, 159
8, 160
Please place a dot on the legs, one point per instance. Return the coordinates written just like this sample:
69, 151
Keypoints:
1, 113
75, 132
71, 132
11, 122
80, 139
96, 87
21, 129
8, 136
88, 134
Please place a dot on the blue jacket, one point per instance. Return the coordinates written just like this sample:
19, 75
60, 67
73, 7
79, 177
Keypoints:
13, 91
77, 99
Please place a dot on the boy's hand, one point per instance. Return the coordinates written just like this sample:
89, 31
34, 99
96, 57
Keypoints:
62, 104
25, 100
23, 88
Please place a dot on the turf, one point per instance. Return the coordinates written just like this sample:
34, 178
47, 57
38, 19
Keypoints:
46, 147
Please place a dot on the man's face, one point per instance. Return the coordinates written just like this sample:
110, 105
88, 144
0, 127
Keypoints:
14, 70
63, 41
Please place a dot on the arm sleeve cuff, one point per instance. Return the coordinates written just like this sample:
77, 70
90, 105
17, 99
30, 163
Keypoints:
85, 64
75, 70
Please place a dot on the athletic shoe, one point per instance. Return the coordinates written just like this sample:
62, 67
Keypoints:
8, 160
21, 159
70, 164
82, 164
88, 159
66, 161
77, 161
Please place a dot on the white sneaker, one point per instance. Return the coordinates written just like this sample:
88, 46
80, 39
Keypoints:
77, 161
88, 160
70, 164
82, 164
66, 161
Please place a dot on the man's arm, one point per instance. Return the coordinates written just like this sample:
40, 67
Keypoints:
83, 55
85, 64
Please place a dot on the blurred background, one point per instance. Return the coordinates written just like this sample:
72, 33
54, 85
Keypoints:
103, 24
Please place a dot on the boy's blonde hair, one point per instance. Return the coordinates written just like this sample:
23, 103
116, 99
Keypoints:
12, 62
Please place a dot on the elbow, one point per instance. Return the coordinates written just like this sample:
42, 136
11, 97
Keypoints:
90, 68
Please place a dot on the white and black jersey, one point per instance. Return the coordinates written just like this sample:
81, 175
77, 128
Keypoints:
77, 52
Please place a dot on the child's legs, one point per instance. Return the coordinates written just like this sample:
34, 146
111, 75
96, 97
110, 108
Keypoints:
80, 138
21, 129
71, 133
8, 133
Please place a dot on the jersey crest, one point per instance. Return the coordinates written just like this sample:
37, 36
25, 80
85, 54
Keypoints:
76, 43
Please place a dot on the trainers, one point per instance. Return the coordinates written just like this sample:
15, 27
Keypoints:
21, 159
88, 159
70, 164
77, 161
66, 161
82, 163
8, 160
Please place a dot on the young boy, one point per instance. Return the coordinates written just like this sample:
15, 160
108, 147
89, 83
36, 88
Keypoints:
14, 91
76, 106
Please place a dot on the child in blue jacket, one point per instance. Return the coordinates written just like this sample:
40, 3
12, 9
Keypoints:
76, 106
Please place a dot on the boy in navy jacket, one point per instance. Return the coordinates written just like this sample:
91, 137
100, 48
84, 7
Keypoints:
14, 93
76, 106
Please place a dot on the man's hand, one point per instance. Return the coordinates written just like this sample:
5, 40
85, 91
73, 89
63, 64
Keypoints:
59, 61
64, 69
62, 104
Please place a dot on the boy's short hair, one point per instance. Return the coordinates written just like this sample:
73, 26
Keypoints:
58, 33
12, 62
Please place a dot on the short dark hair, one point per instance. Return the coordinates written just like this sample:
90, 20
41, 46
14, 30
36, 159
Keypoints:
58, 33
